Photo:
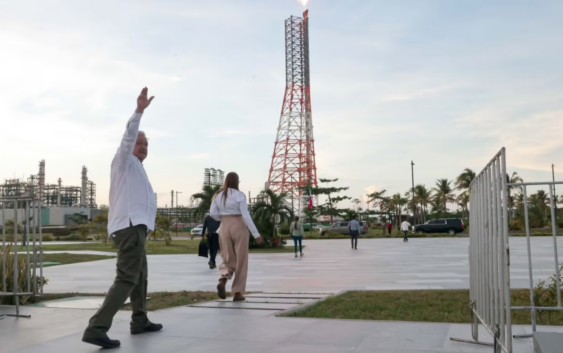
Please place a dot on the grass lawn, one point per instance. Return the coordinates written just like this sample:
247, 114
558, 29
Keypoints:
155, 247
158, 300
72, 258
416, 305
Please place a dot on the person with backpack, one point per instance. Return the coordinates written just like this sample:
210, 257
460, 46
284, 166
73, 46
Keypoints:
296, 229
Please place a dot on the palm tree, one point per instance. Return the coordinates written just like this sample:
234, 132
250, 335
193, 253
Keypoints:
205, 198
463, 201
423, 197
398, 202
376, 195
273, 207
513, 179
444, 193
463, 181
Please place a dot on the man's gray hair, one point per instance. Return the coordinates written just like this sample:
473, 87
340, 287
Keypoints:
143, 133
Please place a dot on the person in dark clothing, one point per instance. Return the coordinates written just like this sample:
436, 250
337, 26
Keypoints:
354, 227
212, 226
389, 227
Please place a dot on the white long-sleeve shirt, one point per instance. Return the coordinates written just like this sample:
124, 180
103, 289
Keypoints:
235, 205
405, 226
131, 198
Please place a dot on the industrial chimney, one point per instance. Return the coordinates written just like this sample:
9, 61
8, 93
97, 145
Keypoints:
84, 187
59, 192
41, 183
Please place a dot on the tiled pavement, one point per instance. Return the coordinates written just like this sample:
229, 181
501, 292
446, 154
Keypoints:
329, 266
196, 330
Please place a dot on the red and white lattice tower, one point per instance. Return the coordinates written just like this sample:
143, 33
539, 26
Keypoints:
293, 162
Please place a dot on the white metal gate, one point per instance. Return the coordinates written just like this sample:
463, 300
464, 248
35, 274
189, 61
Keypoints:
489, 254
25, 210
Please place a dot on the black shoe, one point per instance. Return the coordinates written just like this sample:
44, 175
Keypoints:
149, 328
101, 341
221, 292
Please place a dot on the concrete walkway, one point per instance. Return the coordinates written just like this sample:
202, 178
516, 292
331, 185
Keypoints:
328, 266
196, 330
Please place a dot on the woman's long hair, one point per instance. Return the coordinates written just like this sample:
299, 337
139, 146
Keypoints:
231, 182
295, 223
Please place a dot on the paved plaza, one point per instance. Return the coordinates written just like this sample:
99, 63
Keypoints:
196, 330
328, 266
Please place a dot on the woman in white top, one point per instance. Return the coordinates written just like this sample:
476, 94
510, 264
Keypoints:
229, 206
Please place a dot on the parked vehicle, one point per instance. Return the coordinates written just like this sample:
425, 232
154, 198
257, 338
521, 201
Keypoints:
452, 226
342, 228
197, 231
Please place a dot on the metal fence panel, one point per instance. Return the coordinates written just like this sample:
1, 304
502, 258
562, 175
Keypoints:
27, 283
489, 254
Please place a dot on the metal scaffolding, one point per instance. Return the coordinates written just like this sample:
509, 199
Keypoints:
213, 176
293, 161
54, 195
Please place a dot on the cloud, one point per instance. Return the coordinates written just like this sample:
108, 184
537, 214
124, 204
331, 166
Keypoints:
199, 156
228, 132
423, 93
529, 138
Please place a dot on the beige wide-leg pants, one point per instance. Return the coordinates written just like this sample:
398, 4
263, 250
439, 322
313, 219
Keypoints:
233, 240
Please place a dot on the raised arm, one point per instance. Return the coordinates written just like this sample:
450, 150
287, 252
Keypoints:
132, 130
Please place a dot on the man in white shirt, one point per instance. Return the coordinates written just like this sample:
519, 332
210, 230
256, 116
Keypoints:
131, 217
405, 226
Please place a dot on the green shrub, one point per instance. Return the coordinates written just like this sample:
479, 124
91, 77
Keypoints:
60, 232
23, 273
72, 237
48, 237
514, 225
284, 230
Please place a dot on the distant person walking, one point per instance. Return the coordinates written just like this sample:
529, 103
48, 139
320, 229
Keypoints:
131, 217
405, 226
389, 227
297, 232
230, 207
354, 227
212, 226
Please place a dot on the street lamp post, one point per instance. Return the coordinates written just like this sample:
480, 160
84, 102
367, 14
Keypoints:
177, 212
554, 194
413, 204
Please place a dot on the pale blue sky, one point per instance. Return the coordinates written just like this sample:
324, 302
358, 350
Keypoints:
444, 83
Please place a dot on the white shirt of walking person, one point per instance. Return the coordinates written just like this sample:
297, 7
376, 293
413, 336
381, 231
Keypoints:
234, 205
405, 226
